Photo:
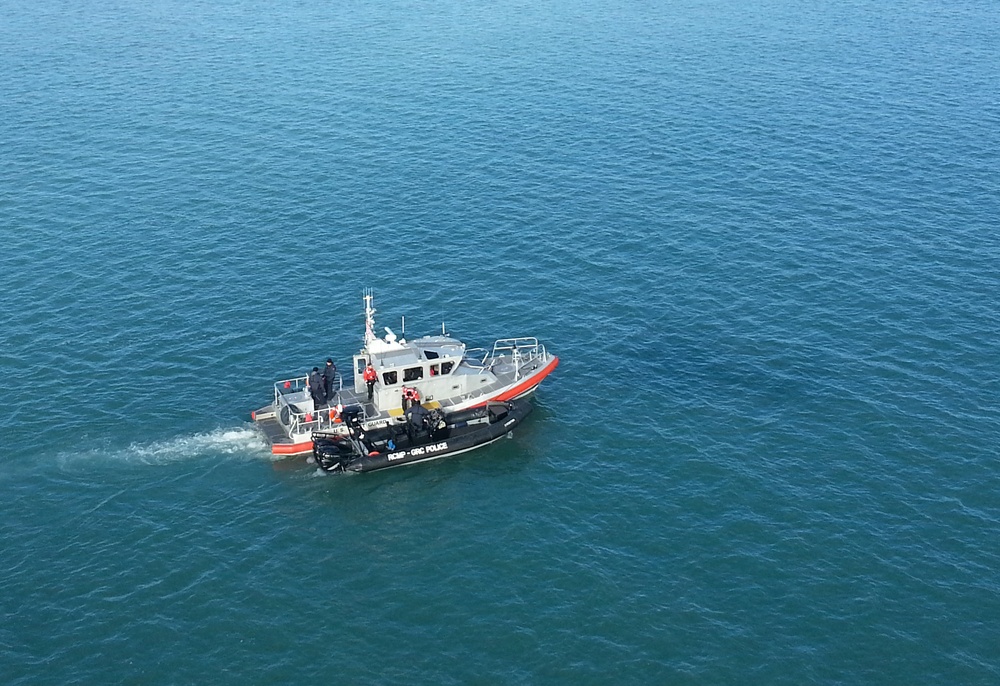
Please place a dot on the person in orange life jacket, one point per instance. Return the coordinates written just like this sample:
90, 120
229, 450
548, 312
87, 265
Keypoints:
411, 396
317, 389
370, 377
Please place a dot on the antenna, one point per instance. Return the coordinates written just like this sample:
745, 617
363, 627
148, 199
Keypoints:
369, 296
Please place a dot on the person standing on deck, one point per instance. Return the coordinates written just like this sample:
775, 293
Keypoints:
370, 377
330, 379
317, 389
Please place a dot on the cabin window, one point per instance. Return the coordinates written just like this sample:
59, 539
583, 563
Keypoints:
431, 355
446, 367
413, 374
362, 363
389, 378
435, 369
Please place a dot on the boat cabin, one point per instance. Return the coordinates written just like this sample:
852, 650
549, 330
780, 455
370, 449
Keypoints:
425, 363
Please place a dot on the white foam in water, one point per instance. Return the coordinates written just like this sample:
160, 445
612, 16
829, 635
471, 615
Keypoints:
244, 442
241, 442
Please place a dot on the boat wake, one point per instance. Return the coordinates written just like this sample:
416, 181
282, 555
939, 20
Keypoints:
243, 443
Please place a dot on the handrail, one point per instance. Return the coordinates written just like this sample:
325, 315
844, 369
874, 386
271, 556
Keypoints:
523, 348
522, 351
297, 420
300, 383
520, 342
469, 358
321, 419
527, 343
294, 385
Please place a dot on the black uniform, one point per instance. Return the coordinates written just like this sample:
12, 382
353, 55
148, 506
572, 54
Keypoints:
317, 389
416, 418
330, 380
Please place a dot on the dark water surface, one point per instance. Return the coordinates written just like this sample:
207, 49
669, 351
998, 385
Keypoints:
762, 237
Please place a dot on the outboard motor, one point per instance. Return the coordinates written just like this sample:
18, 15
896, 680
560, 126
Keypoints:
332, 454
352, 418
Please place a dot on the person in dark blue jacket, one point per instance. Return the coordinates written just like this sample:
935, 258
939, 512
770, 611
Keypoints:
317, 388
330, 380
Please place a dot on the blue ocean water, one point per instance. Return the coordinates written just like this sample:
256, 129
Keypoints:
762, 237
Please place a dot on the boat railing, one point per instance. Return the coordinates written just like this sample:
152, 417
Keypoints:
516, 351
477, 358
526, 346
520, 351
295, 419
288, 387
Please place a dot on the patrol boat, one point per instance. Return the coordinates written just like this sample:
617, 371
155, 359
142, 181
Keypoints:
429, 435
448, 376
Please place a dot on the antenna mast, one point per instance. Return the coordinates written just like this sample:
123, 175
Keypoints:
369, 296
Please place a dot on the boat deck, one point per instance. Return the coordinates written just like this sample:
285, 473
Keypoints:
273, 432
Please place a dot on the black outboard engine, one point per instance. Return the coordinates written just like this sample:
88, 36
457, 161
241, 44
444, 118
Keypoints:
332, 453
352, 418
335, 453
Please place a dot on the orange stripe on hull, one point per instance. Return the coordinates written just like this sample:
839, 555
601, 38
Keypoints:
529, 383
291, 448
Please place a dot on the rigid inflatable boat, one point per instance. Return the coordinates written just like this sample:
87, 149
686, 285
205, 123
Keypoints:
422, 435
